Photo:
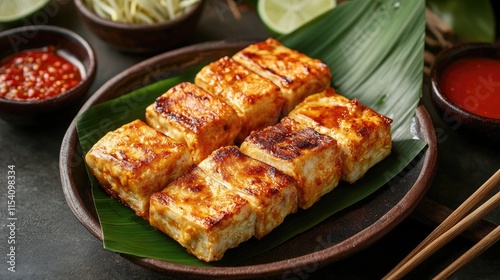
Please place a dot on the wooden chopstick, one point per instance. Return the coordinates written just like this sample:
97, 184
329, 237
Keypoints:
433, 213
471, 254
447, 236
435, 240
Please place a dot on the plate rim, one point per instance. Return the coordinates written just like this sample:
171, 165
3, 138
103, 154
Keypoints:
359, 241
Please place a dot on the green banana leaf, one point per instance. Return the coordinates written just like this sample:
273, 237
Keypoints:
471, 20
375, 51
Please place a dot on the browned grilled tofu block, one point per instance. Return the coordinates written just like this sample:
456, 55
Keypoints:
363, 135
256, 100
313, 159
135, 161
297, 74
194, 117
202, 215
271, 193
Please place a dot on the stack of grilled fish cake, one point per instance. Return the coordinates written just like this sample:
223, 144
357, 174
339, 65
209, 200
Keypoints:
272, 193
202, 215
228, 194
363, 135
256, 100
194, 117
135, 161
297, 75
311, 158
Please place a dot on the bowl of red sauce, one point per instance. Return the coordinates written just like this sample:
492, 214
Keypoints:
45, 71
465, 88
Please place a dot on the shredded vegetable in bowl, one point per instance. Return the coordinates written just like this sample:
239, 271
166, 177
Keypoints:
140, 11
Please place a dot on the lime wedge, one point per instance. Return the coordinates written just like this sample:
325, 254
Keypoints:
11, 10
284, 16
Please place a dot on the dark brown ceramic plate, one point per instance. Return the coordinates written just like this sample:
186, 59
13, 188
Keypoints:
330, 241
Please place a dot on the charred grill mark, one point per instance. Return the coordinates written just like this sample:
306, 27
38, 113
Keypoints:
163, 198
274, 191
255, 170
366, 130
192, 123
251, 55
282, 142
224, 154
195, 188
307, 69
189, 177
249, 191
286, 81
224, 215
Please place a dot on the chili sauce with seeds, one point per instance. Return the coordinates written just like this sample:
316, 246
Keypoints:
36, 75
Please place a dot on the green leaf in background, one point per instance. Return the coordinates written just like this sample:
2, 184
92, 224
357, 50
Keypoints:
375, 50
369, 54
471, 20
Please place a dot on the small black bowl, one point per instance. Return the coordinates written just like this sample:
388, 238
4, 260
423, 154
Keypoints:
478, 126
40, 36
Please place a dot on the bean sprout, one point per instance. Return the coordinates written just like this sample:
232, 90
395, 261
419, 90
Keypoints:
140, 11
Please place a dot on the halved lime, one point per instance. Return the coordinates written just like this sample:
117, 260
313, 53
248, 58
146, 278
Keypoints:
284, 16
12, 10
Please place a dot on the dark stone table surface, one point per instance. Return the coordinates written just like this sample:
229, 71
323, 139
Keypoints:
52, 244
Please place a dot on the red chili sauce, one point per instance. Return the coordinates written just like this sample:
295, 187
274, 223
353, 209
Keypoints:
474, 85
36, 75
